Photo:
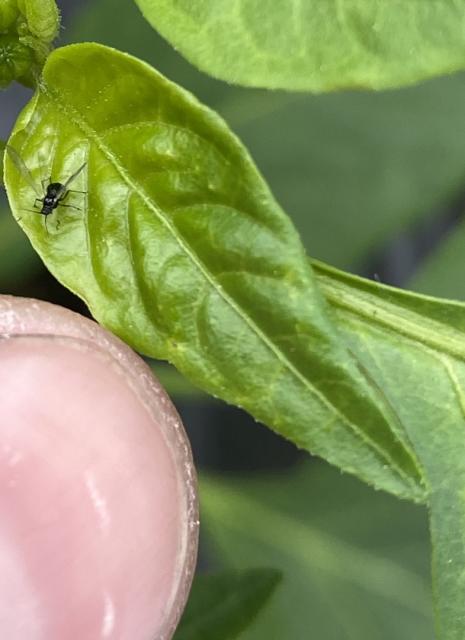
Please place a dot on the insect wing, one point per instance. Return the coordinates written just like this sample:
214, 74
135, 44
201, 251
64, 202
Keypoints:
22, 168
73, 177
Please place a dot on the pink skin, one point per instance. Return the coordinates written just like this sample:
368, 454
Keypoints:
98, 511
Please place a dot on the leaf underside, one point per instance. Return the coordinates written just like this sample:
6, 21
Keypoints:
221, 606
414, 347
354, 562
315, 45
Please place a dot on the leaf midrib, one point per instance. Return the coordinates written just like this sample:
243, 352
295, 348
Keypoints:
417, 328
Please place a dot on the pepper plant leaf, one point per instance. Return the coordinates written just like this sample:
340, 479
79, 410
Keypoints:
414, 348
315, 45
177, 245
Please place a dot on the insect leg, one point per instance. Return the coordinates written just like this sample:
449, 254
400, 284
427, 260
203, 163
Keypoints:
68, 191
69, 206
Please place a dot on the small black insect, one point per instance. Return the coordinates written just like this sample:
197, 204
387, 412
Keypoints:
55, 192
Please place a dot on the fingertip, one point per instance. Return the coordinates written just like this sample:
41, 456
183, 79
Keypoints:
97, 485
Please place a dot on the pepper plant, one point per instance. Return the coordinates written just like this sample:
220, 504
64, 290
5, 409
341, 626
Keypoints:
177, 245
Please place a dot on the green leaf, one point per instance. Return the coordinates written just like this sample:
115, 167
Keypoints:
179, 248
414, 349
221, 606
355, 563
314, 45
9, 13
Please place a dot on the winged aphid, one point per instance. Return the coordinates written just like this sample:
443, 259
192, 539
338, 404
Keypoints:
53, 194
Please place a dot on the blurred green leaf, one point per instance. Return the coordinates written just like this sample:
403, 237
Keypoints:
181, 250
354, 562
18, 260
413, 350
442, 272
9, 13
220, 606
314, 45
